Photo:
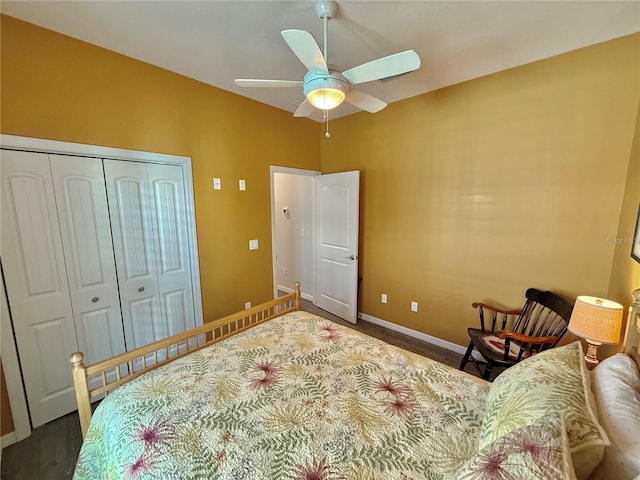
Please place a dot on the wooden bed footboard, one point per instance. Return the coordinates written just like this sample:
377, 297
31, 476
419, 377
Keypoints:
97, 380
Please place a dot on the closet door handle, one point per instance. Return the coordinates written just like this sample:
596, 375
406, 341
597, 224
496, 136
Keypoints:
95, 299
141, 289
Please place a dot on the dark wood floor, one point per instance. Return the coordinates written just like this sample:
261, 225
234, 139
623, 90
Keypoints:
401, 340
51, 451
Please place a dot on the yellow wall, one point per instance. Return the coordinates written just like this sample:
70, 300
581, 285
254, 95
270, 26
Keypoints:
480, 190
59, 88
625, 272
6, 419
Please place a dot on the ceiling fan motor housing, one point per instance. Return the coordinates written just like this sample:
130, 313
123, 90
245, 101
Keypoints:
315, 80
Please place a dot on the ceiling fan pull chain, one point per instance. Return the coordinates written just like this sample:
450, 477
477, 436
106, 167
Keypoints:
326, 119
326, 112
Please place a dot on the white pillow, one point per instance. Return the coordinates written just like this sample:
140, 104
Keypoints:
616, 387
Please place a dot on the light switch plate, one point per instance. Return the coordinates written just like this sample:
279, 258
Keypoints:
383, 298
414, 306
242, 185
253, 244
216, 184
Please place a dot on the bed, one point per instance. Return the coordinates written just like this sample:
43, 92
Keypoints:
277, 393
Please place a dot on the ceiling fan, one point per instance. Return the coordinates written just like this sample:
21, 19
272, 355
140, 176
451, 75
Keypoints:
326, 89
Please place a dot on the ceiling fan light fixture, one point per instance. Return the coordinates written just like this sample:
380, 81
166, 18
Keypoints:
325, 91
326, 98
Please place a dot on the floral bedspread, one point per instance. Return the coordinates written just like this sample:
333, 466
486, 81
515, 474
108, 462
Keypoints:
299, 398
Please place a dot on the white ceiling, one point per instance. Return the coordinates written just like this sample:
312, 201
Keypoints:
218, 41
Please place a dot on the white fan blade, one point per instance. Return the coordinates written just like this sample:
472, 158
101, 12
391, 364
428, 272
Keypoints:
306, 49
254, 82
384, 67
305, 109
364, 101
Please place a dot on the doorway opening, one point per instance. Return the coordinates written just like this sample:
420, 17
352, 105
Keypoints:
314, 220
292, 229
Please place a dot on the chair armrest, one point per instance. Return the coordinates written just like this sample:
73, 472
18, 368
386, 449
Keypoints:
527, 339
496, 309
498, 316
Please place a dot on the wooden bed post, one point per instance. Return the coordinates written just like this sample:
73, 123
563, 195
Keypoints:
298, 293
81, 386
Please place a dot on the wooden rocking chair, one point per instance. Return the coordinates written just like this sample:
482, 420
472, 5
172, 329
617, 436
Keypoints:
539, 325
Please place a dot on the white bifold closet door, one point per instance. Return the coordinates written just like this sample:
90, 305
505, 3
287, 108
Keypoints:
58, 265
95, 259
148, 221
83, 214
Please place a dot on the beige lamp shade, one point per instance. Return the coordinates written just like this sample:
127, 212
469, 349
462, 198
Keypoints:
596, 319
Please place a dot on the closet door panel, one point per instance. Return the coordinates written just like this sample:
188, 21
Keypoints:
131, 197
37, 284
174, 269
101, 339
177, 307
86, 236
28, 214
135, 251
52, 351
143, 331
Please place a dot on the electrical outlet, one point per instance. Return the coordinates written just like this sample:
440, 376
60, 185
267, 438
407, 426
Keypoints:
383, 298
247, 305
253, 244
414, 306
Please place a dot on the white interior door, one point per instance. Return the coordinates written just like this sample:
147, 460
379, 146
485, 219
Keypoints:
336, 226
37, 285
86, 238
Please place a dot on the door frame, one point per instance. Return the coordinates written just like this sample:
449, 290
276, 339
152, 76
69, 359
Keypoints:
13, 142
292, 171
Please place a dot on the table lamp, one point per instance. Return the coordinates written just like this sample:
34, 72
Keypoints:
598, 321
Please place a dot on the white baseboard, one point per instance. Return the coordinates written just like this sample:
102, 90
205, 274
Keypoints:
9, 439
454, 347
306, 296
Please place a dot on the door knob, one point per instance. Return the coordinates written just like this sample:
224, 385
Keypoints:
95, 299
141, 289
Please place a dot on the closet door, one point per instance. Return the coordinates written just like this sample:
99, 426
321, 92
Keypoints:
147, 209
37, 285
168, 205
86, 239
133, 242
